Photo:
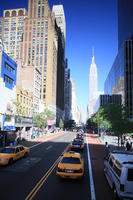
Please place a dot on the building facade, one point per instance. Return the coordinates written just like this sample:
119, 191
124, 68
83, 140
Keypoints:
29, 79
120, 77
75, 108
68, 93
107, 100
11, 32
125, 21
8, 74
39, 48
60, 20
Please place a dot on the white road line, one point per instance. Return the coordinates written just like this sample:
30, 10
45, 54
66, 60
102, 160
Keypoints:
36, 145
93, 197
49, 147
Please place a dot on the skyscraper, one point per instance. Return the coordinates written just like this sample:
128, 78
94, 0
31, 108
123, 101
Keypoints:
93, 91
60, 20
93, 80
39, 47
125, 20
11, 30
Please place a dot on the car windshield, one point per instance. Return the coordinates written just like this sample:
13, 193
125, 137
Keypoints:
70, 160
130, 175
8, 150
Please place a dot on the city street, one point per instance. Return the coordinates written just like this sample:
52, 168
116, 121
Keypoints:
21, 179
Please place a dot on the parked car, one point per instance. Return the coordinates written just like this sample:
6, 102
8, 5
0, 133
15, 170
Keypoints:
12, 153
70, 166
118, 169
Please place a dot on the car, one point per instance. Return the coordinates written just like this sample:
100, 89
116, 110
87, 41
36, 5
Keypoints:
79, 136
70, 166
118, 169
12, 153
77, 144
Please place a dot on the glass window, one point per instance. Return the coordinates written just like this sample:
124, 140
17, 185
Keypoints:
70, 160
130, 175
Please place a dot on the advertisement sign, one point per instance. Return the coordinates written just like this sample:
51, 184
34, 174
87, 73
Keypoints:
50, 122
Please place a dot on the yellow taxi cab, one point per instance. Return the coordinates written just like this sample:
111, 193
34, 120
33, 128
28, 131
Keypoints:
12, 153
71, 166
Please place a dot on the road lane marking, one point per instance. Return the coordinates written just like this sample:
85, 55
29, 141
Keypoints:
93, 196
44, 178
49, 147
36, 145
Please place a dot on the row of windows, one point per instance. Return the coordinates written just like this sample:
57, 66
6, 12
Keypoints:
25, 100
9, 68
7, 79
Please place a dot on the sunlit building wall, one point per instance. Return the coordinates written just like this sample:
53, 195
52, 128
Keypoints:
11, 30
8, 74
39, 48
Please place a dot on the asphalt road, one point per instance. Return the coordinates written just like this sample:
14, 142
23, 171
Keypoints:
35, 177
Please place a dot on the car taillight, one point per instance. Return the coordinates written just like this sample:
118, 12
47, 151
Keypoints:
122, 187
59, 169
80, 171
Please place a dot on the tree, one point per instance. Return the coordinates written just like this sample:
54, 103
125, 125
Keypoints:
61, 123
69, 123
99, 120
40, 120
117, 118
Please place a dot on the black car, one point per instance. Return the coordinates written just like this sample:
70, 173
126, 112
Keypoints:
77, 144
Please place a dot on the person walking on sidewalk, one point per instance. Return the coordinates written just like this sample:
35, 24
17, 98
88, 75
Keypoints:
107, 150
128, 145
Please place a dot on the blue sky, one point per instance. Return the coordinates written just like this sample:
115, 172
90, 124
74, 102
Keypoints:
89, 23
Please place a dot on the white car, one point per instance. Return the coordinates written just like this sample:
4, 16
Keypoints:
118, 169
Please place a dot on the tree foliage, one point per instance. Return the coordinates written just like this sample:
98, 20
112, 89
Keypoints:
69, 123
40, 120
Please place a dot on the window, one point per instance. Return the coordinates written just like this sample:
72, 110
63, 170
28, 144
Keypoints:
8, 80
21, 148
17, 150
9, 68
130, 175
117, 168
70, 160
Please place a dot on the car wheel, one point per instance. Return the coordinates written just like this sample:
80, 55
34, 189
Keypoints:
26, 154
10, 161
115, 193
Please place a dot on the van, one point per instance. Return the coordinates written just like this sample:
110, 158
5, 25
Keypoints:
118, 169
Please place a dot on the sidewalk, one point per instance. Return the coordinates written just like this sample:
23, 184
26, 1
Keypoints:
112, 141
46, 137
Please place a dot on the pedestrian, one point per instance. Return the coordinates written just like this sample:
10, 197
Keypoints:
122, 141
128, 144
107, 149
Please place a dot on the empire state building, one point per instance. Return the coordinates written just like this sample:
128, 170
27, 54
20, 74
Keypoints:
93, 91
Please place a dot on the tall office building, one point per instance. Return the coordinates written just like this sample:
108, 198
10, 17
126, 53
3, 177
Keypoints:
125, 20
39, 47
61, 32
68, 93
120, 77
60, 20
93, 91
75, 108
11, 30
